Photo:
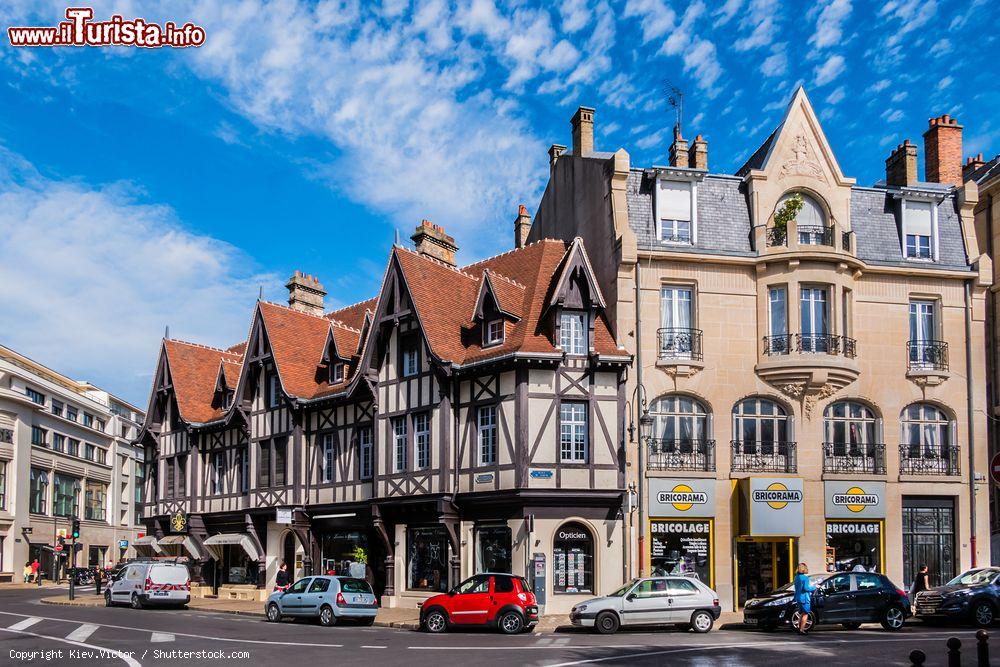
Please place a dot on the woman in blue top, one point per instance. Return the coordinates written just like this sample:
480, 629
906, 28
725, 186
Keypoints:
803, 596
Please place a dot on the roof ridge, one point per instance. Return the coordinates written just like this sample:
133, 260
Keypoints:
342, 325
201, 345
503, 277
512, 251
438, 261
351, 305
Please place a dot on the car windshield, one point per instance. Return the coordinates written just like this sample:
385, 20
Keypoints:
974, 577
814, 579
623, 590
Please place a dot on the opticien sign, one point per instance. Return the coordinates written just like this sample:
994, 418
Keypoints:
777, 496
682, 497
855, 499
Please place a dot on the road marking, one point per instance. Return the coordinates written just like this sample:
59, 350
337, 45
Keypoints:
519, 648
82, 633
366, 646
26, 623
159, 637
131, 662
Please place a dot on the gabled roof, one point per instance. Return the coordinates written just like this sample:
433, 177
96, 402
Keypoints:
194, 370
506, 294
297, 340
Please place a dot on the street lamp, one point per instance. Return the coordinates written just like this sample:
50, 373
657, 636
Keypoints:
645, 431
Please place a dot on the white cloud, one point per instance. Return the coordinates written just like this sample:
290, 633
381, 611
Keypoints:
829, 70
702, 62
942, 47
680, 36
575, 15
900, 96
829, 23
945, 82
90, 278
892, 115
656, 17
760, 21
775, 64
879, 86
836, 96
649, 141
727, 11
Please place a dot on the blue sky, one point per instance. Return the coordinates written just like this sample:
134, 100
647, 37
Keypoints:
141, 188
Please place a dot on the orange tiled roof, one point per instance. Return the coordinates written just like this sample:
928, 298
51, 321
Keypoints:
194, 369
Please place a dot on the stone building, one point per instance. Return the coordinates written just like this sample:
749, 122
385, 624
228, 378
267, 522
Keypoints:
465, 419
809, 353
65, 452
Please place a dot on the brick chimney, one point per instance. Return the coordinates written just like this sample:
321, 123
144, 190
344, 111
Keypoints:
305, 293
901, 165
943, 151
583, 131
678, 149
698, 154
522, 227
555, 151
971, 164
431, 240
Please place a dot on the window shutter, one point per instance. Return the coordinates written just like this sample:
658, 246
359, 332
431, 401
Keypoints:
675, 200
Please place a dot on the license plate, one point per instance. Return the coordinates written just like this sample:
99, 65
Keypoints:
359, 599
161, 593
750, 621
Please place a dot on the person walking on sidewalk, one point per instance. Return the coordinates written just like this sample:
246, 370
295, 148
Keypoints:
35, 565
27, 572
803, 596
921, 582
281, 581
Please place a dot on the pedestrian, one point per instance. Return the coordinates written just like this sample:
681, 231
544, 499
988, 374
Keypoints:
35, 565
27, 572
281, 581
803, 596
921, 582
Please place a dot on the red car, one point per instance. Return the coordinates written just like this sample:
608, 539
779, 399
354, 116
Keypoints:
504, 601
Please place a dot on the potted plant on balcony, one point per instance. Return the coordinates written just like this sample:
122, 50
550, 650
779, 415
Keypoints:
788, 211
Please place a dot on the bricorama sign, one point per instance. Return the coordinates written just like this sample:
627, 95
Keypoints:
855, 500
682, 497
775, 506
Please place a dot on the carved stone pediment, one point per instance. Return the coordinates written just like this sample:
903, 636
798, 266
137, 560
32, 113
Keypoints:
802, 161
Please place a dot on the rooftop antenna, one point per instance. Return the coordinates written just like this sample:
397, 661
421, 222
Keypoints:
260, 292
675, 98
397, 243
166, 332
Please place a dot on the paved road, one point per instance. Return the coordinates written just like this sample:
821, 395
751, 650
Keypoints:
96, 636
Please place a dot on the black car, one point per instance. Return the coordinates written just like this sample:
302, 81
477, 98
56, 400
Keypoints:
847, 598
972, 596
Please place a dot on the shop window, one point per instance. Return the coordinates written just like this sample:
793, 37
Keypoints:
573, 559
493, 549
854, 545
339, 550
681, 547
427, 559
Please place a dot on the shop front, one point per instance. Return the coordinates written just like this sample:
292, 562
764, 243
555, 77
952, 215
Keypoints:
427, 560
855, 526
493, 548
235, 559
573, 559
682, 528
771, 519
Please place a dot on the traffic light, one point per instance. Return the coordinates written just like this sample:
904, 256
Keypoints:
76, 529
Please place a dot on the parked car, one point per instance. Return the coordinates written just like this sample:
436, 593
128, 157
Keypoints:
331, 599
143, 583
847, 598
681, 601
973, 596
503, 601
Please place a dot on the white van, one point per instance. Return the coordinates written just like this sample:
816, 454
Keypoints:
143, 583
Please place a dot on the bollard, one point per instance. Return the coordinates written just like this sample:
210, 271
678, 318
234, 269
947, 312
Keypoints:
983, 648
917, 658
954, 652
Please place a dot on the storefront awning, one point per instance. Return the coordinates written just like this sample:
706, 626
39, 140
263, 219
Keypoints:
216, 542
175, 543
146, 545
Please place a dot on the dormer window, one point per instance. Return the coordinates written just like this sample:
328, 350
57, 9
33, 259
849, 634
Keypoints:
675, 219
227, 398
336, 372
919, 218
573, 333
493, 332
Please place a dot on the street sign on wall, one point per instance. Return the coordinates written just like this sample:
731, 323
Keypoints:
995, 468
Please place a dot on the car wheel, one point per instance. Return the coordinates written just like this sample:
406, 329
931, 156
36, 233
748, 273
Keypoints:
326, 616
273, 613
107, 599
810, 621
702, 621
893, 618
436, 622
983, 614
607, 623
135, 601
511, 623
368, 621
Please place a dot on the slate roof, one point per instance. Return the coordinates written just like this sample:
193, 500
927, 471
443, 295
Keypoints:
987, 171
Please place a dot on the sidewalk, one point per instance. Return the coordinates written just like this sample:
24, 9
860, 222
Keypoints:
407, 618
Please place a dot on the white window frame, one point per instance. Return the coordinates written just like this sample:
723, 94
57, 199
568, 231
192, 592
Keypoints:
494, 332
574, 439
905, 230
410, 360
337, 372
399, 443
659, 213
327, 457
573, 341
486, 434
273, 390
675, 346
421, 440
366, 451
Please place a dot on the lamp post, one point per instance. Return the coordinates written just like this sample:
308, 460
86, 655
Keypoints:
645, 431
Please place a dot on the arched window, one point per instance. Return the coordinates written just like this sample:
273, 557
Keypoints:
851, 439
680, 439
810, 220
926, 445
761, 437
573, 559
39, 491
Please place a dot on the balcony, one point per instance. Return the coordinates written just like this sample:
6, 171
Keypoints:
927, 361
678, 350
763, 456
811, 363
810, 344
855, 459
928, 460
684, 454
815, 235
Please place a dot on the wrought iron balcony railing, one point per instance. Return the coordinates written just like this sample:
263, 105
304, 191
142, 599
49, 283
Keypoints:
682, 454
845, 240
929, 355
763, 456
676, 343
923, 459
810, 344
848, 457
815, 235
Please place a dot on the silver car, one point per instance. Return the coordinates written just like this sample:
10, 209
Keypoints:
681, 601
330, 599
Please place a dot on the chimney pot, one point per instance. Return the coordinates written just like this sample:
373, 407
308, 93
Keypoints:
522, 226
943, 151
583, 131
432, 241
305, 293
698, 154
678, 149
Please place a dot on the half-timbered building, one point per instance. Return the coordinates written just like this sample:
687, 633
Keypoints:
463, 420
